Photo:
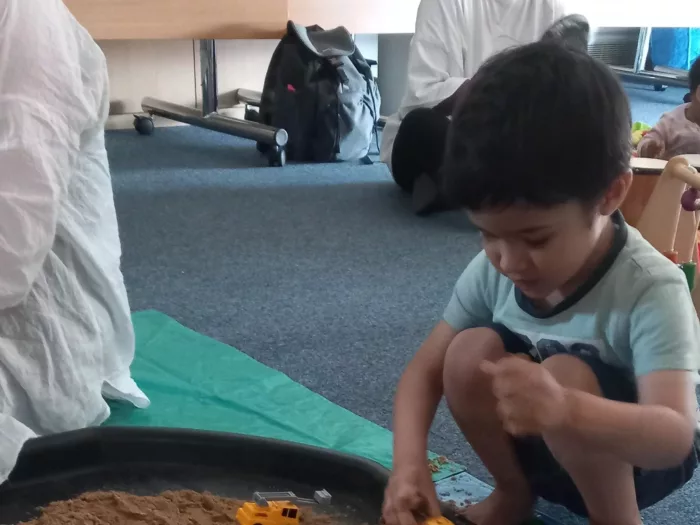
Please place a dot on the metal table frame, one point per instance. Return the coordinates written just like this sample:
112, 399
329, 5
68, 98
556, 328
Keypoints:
208, 117
639, 73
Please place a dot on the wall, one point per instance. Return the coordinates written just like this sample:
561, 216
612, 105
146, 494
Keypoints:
392, 52
170, 70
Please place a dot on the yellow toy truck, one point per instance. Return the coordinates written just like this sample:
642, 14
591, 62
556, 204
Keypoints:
441, 520
277, 508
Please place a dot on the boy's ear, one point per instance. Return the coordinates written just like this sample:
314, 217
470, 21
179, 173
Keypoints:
616, 194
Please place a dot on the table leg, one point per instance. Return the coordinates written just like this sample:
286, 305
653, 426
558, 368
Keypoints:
210, 89
208, 117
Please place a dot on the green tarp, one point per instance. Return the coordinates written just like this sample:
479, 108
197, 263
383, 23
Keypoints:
199, 383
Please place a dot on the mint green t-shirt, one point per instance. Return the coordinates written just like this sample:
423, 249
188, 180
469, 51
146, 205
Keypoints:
635, 312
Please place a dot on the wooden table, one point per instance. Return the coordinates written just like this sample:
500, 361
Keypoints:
262, 19
646, 173
180, 19
236, 19
635, 202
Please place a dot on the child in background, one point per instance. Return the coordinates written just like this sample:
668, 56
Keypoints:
568, 350
678, 131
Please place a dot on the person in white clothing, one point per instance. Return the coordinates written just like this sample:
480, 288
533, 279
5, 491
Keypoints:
452, 40
66, 339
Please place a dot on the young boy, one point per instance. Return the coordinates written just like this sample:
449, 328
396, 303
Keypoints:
678, 131
568, 351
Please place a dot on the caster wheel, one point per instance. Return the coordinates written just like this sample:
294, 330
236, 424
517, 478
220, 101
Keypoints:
278, 158
252, 115
660, 87
144, 125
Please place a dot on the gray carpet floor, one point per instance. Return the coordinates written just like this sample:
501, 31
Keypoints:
320, 271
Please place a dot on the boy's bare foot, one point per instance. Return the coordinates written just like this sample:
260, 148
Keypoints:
501, 508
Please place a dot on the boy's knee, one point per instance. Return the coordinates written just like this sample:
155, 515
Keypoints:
464, 356
572, 372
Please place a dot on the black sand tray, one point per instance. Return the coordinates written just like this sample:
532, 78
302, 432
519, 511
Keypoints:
149, 461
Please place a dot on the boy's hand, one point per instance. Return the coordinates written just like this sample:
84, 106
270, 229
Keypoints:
530, 400
652, 149
410, 496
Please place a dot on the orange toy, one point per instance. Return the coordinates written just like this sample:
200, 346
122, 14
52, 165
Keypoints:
437, 521
276, 508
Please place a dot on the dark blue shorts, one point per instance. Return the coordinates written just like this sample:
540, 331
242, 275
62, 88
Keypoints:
552, 483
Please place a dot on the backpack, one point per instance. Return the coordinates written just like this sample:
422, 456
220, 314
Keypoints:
321, 91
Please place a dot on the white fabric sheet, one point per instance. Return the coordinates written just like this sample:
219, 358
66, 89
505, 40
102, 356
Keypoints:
66, 337
451, 41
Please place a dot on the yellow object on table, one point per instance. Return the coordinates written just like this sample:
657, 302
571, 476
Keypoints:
639, 129
438, 521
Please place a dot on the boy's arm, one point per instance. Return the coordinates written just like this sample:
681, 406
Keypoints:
418, 395
664, 337
420, 388
653, 144
657, 433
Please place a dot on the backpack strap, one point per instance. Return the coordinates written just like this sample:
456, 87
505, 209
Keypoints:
337, 63
336, 42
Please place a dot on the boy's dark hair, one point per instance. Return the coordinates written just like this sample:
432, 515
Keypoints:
693, 79
540, 124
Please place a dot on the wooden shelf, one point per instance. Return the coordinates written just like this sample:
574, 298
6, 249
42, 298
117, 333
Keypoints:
181, 19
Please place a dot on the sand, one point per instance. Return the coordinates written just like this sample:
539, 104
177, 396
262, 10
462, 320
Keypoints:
182, 507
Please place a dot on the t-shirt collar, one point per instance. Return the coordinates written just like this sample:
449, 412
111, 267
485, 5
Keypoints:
619, 241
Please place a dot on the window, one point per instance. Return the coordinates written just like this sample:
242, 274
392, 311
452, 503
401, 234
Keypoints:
285, 512
292, 513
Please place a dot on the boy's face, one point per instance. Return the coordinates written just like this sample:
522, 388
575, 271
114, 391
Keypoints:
545, 250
